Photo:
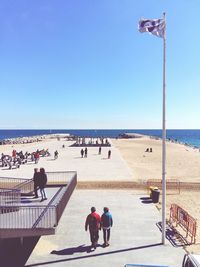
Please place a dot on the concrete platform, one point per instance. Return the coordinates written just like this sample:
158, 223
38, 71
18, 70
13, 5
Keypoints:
135, 237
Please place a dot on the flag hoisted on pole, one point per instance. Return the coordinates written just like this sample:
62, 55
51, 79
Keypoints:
157, 27
153, 26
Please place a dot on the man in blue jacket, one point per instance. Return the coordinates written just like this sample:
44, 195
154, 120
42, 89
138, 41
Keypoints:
106, 223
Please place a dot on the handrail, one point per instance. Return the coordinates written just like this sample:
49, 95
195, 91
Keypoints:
23, 217
45, 210
9, 196
26, 187
33, 217
14, 178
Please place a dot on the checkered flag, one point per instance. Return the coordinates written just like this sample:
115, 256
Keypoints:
153, 26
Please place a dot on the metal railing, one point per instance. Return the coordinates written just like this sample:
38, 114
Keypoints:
59, 178
66, 196
9, 197
23, 217
26, 187
60, 200
10, 182
172, 185
17, 216
183, 219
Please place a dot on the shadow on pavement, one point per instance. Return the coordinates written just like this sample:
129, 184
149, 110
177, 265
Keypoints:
94, 255
71, 251
146, 200
176, 239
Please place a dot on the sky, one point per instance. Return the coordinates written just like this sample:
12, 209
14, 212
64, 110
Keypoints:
83, 64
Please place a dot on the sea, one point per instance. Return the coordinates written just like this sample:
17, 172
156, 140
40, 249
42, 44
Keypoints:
189, 137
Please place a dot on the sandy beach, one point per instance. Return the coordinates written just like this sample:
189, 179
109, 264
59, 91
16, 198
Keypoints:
129, 162
182, 163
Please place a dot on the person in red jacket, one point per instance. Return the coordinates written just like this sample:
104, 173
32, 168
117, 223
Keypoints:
37, 156
93, 220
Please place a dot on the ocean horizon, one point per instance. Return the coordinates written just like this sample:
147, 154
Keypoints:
189, 136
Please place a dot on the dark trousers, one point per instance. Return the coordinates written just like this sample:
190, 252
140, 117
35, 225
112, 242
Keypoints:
35, 190
94, 236
106, 235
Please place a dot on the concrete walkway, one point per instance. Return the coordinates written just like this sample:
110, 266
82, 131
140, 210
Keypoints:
135, 237
93, 168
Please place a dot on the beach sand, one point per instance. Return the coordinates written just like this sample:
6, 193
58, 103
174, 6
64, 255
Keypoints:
182, 163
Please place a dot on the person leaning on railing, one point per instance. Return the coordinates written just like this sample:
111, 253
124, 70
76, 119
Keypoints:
36, 178
42, 181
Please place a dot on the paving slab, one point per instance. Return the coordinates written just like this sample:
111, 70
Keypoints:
135, 237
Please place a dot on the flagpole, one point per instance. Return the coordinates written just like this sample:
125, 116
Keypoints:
164, 141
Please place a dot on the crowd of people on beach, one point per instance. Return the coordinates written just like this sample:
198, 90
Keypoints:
99, 141
16, 159
94, 222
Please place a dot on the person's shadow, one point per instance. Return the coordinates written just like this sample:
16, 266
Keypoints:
72, 250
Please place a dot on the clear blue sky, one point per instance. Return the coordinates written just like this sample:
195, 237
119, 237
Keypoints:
79, 64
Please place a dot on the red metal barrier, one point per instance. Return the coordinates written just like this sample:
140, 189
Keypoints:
182, 218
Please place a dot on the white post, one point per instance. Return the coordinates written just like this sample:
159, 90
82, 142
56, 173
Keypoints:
164, 143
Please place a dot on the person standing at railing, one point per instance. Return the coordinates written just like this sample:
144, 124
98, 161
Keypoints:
42, 181
36, 178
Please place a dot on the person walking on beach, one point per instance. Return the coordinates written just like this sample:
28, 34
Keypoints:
100, 150
109, 154
93, 221
106, 224
36, 182
14, 153
42, 181
36, 156
86, 152
55, 154
82, 153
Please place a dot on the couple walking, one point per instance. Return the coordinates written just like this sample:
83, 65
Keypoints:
95, 222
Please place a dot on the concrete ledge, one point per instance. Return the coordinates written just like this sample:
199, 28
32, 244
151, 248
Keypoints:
14, 233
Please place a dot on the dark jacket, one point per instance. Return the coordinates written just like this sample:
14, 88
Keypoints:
36, 178
42, 180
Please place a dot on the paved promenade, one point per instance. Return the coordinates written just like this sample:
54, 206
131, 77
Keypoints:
135, 237
93, 168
